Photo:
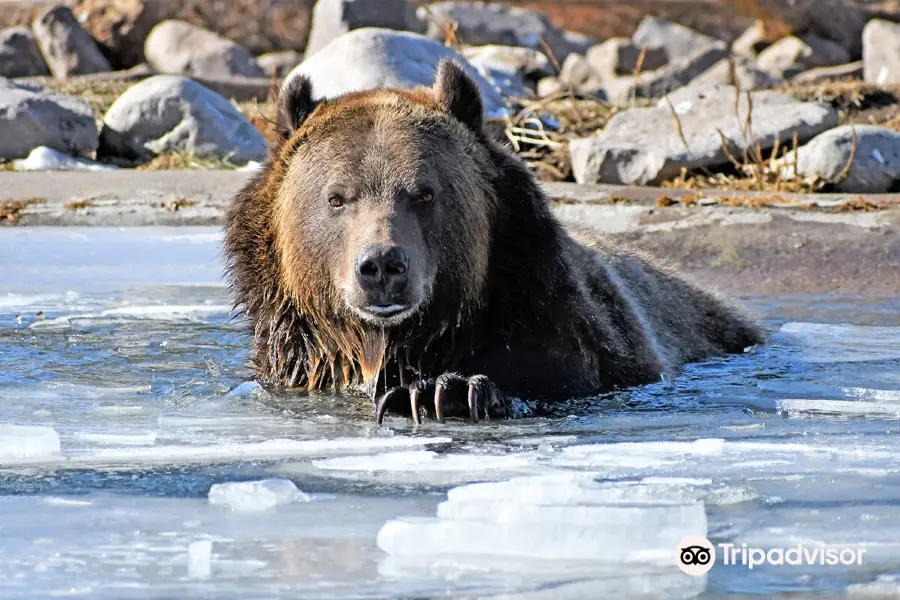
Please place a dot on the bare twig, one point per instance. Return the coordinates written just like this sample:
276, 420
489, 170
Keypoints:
678, 125
846, 170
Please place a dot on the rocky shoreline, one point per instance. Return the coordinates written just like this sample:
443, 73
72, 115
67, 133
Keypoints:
795, 102
737, 241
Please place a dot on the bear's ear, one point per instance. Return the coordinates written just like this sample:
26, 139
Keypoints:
458, 94
295, 104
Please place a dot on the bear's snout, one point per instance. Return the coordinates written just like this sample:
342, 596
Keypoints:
382, 272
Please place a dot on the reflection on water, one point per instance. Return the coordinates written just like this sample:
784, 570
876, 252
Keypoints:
125, 372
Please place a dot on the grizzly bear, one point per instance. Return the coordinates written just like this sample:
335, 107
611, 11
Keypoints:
389, 246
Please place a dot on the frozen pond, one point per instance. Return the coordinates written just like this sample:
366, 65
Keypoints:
125, 404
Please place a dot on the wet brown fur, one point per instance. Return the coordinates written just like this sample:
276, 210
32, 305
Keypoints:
515, 297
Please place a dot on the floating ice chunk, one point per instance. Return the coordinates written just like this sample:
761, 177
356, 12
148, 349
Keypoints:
67, 502
250, 496
639, 455
19, 441
117, 409
200, 559
249, 389
845, 343
839, 407
388, 461
269, 449
47, 159
117, 439
556, 535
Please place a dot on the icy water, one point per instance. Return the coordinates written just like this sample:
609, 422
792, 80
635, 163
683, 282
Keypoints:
132, 448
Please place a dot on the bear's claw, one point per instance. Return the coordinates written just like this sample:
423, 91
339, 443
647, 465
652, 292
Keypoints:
453, 396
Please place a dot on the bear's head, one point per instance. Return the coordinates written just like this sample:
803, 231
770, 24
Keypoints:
382, 204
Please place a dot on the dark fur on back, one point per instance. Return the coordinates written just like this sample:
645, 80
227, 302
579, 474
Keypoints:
514, 296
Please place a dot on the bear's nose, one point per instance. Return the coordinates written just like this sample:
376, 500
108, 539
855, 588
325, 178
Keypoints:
382, 267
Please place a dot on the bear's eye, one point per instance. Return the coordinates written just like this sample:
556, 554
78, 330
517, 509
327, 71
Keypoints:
426, 197
336, 200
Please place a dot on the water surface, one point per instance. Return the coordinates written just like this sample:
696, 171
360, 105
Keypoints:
125, 396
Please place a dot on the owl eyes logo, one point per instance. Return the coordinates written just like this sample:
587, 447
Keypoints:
695, 555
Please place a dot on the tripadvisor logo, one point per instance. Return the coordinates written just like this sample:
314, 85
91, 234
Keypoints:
696, 555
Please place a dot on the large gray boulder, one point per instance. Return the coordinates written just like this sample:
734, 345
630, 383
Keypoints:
677, 40
644, 146
881, 52
875, 166
333, 18
484, 23
67, 48
168, 113
19, 54
179, 48
372, 57
32, 116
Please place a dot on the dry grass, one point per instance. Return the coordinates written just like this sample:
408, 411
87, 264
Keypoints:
11, 210
176, 161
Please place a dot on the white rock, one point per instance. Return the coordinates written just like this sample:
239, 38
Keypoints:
251, 496
371, 57
621, 56
508, 67
167, 113
333, 18
875, 166
792, 55
179, 48
47, 159
279, 64
881, 52
21, 441
32, 116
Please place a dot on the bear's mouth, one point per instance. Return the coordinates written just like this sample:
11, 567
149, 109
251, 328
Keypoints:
385, 315
386, 310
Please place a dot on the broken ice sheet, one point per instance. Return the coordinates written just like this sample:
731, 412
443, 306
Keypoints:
553, 518
252, 496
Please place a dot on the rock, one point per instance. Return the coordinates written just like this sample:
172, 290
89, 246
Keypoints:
525, 62
32, 116
67, 48
744, 70
579, 42
48, 159
881, 52
681, 71
279, 64
508, 68
840, 21
575, 70
791, 56
677, 40
875, 167
372, 57
179, 48
621, 56
852, 70
753, 41
121, 27
333, 18
168, 113
643, 145
483, 23
20, 55
549, 86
